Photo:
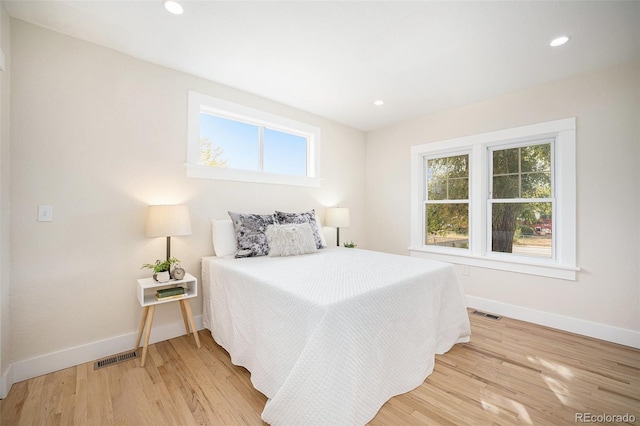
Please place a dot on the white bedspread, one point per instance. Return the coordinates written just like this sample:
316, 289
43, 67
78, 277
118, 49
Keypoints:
329, 337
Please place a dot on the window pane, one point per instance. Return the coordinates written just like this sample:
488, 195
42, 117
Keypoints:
536, 158
506, 186
505, 161
522, 228
458, 189
437, 179
458, 166
536, 185
448, 178
210, 154
231, 143
523, 172
437, 189
447, 225
284, 153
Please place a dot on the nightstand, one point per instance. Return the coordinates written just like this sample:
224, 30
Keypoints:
147, 288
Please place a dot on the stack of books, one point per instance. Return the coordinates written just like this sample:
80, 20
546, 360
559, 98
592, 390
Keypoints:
170, 293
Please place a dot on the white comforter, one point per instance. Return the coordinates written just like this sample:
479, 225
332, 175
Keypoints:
329, 337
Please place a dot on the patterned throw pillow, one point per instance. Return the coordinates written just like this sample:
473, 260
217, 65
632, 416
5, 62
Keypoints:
305, 217
250, 237
290, 240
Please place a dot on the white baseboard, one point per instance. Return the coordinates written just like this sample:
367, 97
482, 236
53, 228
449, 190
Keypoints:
586, 328
6, 380
48, 363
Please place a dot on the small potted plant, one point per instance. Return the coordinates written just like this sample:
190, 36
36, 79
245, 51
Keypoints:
350, 244
162, 269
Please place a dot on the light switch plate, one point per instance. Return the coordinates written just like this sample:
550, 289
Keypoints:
45, 213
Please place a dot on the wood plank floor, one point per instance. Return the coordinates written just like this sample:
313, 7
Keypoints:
511, 372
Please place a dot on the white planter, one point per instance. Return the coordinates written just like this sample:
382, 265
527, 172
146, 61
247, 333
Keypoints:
162, 277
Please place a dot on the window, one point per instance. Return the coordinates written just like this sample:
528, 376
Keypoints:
233, 142
502, 200
520, 199
447, 201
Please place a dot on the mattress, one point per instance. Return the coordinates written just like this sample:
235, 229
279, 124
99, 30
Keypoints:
329, 337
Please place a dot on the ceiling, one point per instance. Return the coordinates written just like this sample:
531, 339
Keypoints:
334, 59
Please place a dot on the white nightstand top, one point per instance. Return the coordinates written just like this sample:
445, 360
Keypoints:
149, 282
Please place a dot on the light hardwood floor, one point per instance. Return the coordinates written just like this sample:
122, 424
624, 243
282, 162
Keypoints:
511, 372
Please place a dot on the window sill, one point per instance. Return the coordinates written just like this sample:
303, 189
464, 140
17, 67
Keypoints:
221, 173
533, 267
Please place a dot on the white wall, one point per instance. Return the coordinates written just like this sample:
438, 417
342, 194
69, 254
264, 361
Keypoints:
607, 107
4, 198
100, 135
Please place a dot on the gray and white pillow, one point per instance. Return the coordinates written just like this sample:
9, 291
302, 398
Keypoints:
250, 230
305, 217
290, 240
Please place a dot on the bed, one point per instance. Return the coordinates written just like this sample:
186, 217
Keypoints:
330, 336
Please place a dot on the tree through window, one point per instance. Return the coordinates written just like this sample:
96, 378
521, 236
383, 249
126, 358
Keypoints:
447, 201
521, 200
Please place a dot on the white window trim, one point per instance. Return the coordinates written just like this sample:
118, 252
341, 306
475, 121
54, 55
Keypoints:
199, 102
564, 263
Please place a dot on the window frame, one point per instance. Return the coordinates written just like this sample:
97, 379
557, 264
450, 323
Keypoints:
199, 103
563, 263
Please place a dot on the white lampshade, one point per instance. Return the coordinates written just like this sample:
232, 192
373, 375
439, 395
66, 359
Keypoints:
168, 221
337, 217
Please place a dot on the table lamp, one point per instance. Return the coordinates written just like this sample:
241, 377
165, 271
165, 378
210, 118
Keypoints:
337, 217
168, 221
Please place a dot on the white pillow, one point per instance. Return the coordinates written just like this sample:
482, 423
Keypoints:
309, 217
223, 237
290, 239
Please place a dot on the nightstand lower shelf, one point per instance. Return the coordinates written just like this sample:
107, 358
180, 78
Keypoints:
147, 321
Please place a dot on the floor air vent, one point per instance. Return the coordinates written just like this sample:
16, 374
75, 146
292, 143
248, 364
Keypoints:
486, 315
105, 362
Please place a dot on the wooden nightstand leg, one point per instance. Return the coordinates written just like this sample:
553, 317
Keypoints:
184, 316
187, 307
149, 321
142, 321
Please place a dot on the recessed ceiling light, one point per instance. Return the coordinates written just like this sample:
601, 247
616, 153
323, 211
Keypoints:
559, 41
173, 7
379, 102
